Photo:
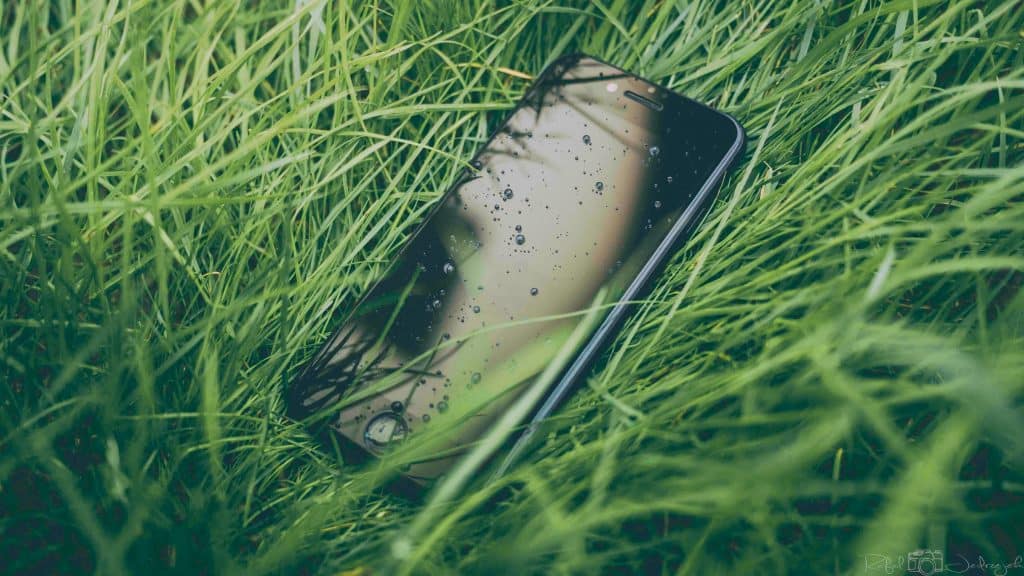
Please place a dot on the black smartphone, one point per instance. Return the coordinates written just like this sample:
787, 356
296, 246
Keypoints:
526, 266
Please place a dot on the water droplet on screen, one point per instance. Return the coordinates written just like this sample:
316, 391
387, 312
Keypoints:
426, 418
475, 378
668, 179
520, 239
446, 336
384, 429
436, 304
448, 267
519, 228
599, 185
534, 291
654, 151
442, 406
507, 194
476, 164
476, 309
657, 203
397, 406
586, 138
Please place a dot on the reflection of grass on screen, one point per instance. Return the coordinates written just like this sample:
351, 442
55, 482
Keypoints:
192, 195
499, 384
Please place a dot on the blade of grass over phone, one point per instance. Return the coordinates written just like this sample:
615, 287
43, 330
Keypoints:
826, 378
414, 542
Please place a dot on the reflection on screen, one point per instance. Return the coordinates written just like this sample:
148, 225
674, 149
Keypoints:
564, 205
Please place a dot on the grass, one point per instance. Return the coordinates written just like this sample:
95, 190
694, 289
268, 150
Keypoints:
830, 373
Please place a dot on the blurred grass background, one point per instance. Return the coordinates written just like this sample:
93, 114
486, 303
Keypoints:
830, 373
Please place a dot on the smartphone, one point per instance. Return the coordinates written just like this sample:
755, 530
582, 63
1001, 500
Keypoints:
532, 257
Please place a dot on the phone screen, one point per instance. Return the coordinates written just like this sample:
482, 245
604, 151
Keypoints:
565, 204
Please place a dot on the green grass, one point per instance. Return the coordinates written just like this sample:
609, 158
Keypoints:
192, 194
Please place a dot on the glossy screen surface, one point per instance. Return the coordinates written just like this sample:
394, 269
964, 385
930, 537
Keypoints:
567, 202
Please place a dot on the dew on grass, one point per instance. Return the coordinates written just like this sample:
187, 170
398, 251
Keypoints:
534, 291
397, 406
448, 268
442, 406
586, 139
475, 378
476, 309
507, 194
520, 239
654, 151
599, 185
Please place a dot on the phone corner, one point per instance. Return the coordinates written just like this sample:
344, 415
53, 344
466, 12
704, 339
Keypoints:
564, 59
740, 140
